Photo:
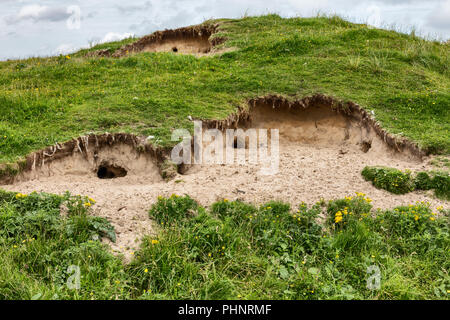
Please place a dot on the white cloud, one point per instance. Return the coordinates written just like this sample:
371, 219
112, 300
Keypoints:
439, 18
39, 13
132, 8
374, 17
66, 48
114, 36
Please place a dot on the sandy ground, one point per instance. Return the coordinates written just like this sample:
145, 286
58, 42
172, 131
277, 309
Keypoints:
319, 158
306, 173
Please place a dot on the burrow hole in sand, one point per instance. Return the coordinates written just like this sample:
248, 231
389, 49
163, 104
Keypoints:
94, 157
110, 171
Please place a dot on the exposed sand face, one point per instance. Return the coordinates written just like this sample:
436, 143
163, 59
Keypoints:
194, 40
195, 45
186, 45
321, 155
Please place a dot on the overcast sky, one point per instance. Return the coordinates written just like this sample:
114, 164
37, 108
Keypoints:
49, 27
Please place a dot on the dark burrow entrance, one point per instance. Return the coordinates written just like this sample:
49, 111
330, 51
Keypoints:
105, 171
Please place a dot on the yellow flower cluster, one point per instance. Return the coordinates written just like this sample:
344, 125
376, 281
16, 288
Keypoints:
360, 195
298, 218
338, 217
25, 241
21, 196
416, 212
89, 202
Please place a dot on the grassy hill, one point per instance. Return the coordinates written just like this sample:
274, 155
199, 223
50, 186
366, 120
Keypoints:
230, 250
402, 78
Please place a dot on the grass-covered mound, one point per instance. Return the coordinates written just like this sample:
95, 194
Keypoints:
402, 78
231, 251
401, 182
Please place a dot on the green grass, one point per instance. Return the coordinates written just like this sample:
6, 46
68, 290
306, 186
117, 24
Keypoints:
401, 182
403, 78
38, 245
232, 250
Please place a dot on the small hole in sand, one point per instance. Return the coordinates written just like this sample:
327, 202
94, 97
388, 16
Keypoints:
366, 145
110, 172
176, 42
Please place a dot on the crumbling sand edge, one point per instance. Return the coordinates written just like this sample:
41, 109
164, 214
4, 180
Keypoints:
83, 144
139, 45
349, 109
240, 118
